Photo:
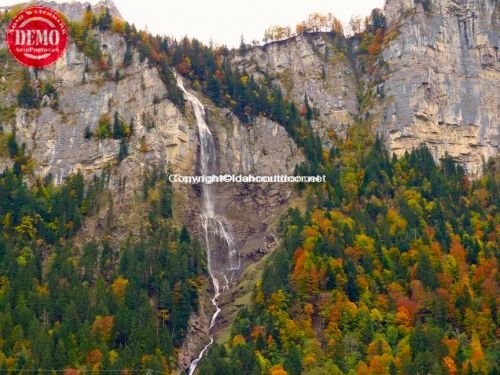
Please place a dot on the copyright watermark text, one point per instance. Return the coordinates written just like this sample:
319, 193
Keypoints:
231, 178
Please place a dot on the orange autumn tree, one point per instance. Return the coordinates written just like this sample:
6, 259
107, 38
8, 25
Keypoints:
94, 358
103, 327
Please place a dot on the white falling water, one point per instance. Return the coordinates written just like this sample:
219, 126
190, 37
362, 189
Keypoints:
223, 260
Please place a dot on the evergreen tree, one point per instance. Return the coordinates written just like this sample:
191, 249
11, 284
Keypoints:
214, 90
123, 151
127, 57
184, 235
425, 271
12, 146
104, 22
352, 289
27, 96
118, 127
377, 19
293, 363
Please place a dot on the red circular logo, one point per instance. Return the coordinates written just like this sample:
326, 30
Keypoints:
37, 36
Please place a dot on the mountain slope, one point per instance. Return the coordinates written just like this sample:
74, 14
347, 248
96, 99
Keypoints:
369, 268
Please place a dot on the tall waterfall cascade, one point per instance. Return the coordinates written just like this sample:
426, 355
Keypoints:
223, 261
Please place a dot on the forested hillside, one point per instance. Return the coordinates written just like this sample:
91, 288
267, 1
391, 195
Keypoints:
67, 306
392, 269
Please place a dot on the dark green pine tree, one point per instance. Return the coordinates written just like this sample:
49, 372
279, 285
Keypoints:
127, 58
278, 107
12, 146
123, 151
27, 96
352, 288
60, 358
425, 272
104, 22
293, 362
184, 236
118, 127
214, 90
166, 202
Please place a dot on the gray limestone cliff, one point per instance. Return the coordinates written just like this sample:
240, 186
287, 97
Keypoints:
312, 66
439, 81
443, 80
74, 10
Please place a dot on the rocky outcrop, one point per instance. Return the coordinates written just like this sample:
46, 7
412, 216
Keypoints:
311, 65
197, 335
55, 138
443, 80
74, 10
262, 148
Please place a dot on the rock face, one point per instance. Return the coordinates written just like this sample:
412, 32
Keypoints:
74, 10
443, 83
262, 148
441, 86
55, 138
309, 66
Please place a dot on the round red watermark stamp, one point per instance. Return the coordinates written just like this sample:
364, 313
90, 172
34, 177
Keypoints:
37, 36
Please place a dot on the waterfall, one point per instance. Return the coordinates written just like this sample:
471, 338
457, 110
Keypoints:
223, 261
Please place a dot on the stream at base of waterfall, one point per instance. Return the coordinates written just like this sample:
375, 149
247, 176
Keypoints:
223, 261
